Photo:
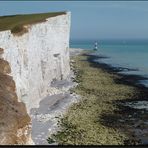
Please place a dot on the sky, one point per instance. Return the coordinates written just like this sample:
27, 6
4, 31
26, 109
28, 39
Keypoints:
92, 19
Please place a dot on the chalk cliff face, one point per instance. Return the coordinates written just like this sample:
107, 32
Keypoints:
29, 63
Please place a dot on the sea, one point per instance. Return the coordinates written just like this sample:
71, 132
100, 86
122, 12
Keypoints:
131, 54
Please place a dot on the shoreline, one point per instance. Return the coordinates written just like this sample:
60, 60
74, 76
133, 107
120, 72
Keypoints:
127, 79
133, 117
130, 79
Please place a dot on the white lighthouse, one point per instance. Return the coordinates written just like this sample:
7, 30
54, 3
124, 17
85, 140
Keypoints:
96, 46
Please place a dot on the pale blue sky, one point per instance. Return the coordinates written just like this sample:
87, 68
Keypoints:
93, 20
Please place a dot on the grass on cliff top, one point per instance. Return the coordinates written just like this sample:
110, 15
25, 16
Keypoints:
83, 124
15, 23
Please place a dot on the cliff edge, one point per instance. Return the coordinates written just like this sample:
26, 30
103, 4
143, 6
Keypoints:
29, 62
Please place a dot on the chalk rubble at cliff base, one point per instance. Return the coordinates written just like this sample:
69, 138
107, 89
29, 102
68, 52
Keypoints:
45, 118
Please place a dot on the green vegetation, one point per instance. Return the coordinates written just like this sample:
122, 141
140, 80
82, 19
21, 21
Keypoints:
15, 23
84, 123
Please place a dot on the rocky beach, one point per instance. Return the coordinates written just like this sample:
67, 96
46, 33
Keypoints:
112, 109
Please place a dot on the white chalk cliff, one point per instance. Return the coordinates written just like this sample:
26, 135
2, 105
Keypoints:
32, 61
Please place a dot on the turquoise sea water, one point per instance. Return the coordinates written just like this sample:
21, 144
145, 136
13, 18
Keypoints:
131, 54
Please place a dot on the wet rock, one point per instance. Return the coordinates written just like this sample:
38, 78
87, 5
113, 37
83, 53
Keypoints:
132, 142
